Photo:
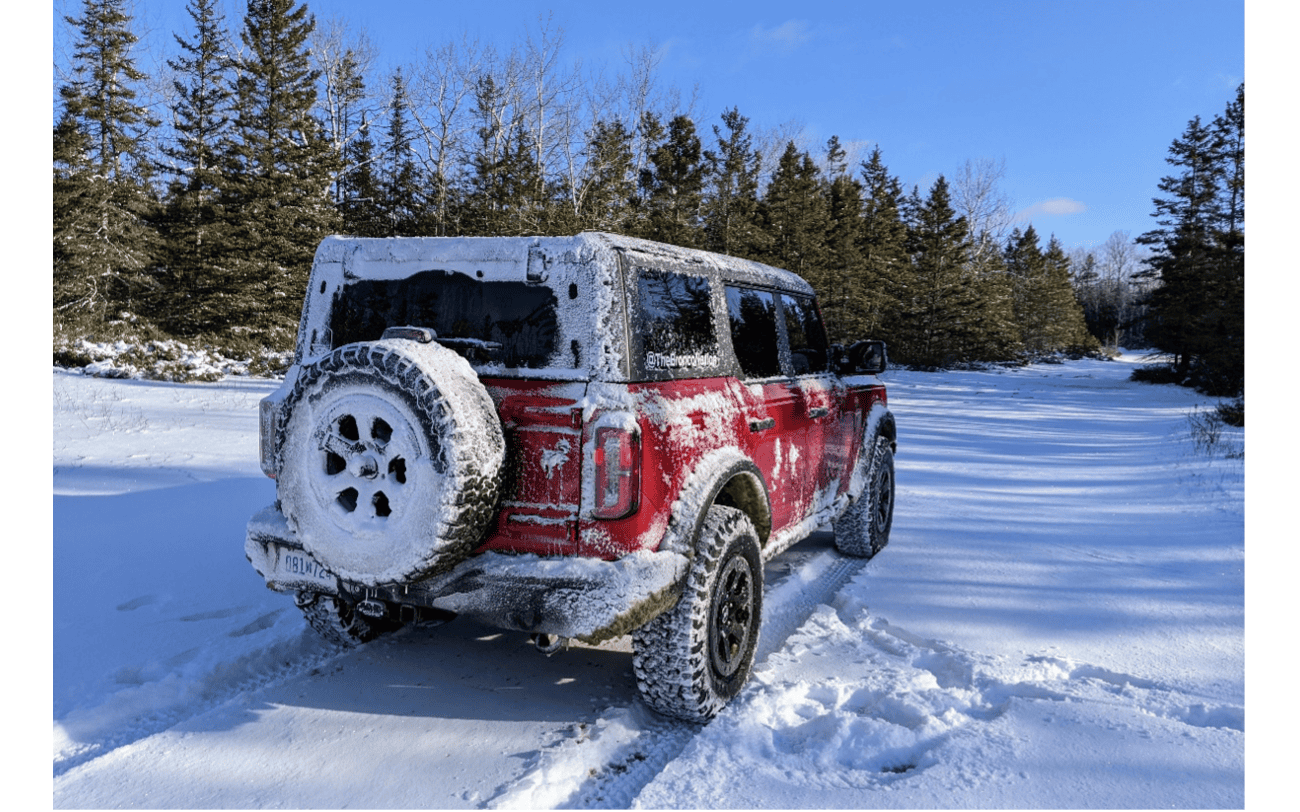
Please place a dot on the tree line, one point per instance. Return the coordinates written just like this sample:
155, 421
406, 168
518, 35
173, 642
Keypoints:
199, 220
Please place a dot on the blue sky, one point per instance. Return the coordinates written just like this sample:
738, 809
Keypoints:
1079, 100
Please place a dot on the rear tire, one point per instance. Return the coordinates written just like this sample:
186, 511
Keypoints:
691, 660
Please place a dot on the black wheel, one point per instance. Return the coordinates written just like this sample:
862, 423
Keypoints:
863, 529
338, 621
691, 660
391, 458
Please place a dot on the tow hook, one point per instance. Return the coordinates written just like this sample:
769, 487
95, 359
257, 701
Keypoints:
372, 608
548, 644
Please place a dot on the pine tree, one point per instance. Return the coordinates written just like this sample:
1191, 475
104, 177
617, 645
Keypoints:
1225, 358
844, 289
887, 272
483, 211
281, 167
401, 190
523, 187
358, 188
608, 187
193, 226
937, 314
1027, 269
76, 290
106, 243
1196, 310
795, 216
1066, 330
673, 187
731, 219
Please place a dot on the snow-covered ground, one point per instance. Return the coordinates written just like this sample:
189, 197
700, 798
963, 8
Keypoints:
1057, 622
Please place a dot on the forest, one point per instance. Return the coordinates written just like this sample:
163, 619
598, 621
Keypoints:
192, 221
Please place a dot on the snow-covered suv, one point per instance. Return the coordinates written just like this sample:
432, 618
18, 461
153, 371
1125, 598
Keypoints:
577, 437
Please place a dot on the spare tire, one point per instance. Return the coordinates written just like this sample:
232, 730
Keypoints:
391, 459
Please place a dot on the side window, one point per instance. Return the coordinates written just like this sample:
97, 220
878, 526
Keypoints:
676, 315
807, 335
752, 314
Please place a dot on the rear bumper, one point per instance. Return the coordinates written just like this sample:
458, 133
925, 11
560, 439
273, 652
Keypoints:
582, 598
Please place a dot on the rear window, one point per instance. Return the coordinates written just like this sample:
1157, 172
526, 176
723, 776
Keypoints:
520, 317
676, 321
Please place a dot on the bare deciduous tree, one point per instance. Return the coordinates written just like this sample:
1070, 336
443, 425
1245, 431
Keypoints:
977, 195
345, 57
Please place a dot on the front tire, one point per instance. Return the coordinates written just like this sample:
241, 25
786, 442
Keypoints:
863, 529
691, 660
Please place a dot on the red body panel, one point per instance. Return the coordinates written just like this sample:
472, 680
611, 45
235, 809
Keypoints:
804, 435
540, 499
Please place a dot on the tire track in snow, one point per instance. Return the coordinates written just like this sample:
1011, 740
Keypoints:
605, 765
267, 668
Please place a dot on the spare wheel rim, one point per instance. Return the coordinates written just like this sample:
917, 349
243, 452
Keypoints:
370, 464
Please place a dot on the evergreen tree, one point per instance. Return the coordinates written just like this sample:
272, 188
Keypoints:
1196, 310
524, 187
1027, 269
673, 187
76, 290
487, 197
608, 187
936, 321
731, 219
795, 216
281, 167
360, 203
1046, 310
1225, 359
996, 334
193, 226
844, 292
1067, 331
648, 134
401, 190
106, 243
886, 275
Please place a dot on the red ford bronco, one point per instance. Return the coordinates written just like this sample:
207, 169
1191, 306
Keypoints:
574, 437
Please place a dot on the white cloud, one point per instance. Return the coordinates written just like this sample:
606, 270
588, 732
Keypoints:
1053, 207
784, 38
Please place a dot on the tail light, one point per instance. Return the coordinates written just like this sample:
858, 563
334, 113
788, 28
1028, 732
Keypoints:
617, 458
267, 414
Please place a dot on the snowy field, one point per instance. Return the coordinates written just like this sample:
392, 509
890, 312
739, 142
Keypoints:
1058, 621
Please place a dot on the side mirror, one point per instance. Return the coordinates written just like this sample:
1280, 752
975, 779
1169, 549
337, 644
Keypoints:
866, 358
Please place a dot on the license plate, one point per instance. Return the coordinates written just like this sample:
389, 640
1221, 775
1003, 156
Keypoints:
295, 566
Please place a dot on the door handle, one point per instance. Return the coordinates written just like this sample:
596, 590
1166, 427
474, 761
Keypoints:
818, 411
762, 425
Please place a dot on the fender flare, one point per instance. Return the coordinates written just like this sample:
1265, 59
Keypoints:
727, 475
880, 422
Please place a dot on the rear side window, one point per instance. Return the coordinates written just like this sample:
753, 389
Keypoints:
752, 314
808, 348
676, 321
